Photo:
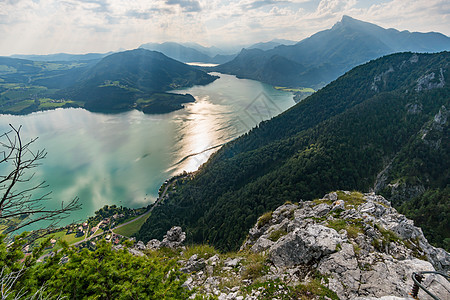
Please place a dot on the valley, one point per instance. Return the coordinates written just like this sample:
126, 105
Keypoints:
255, 167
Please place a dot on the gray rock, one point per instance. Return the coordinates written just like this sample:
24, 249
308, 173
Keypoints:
359, 262
344, 271
382, 298
437, 285
188, 284
173, 238
213, 260
118, 247
261, 245
304, 245
209, 270
194, 264
331, 196
153, 244
222, 296
233, 262
428, 82
391, 277
135, 252
140, 246
283, 212
321, 209
373, 208
338, 205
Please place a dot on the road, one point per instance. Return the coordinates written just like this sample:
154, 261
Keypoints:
118, 226
148, 212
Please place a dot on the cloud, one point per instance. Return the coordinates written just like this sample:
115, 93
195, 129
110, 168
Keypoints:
49, 26
97, 5
246, 5
333, 8
149, 13
186, 5
414, 15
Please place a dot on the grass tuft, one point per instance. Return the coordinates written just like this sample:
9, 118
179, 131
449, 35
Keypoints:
264, 219
203, 251
354, 198
277, 234
254, 266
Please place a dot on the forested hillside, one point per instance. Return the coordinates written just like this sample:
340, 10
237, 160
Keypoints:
341, 137
134, 79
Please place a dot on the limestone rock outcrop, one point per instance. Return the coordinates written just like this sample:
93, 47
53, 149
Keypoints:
362, 245
347, 245
174, 238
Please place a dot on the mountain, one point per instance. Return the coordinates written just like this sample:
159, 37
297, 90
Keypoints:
274, 69
62, 57
342, 137
222, 58
210, 51
121, 81
271, 44
190, 52
178, 52
325, 55
132, 79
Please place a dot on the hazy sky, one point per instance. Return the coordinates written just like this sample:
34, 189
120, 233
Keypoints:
80, 26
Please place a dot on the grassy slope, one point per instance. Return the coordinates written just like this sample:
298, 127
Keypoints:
131, 229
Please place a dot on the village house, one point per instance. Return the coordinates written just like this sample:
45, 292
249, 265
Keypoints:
93, 230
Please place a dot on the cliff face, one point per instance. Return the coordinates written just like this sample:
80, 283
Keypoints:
347, 245
403, 185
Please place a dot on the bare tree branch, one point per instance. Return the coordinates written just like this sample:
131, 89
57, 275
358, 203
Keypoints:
24, 205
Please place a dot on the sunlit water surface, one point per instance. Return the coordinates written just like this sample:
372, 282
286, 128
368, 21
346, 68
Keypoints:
124, 158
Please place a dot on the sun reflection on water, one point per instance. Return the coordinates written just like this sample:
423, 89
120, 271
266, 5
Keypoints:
124, 158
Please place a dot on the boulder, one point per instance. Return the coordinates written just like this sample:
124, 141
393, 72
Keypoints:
194, 264
261, 245
153, 244
232, 262
173, 238
140, 246
304, 245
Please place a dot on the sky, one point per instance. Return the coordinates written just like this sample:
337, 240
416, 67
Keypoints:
82, 26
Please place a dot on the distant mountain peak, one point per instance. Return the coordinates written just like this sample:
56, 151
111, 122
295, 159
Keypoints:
346, 18
348, 21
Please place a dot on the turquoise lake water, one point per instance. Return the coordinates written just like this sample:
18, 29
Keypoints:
124, 158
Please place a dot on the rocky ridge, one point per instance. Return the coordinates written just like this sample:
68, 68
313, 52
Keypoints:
347, 245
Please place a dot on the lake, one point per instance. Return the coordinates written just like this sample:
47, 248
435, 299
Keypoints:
124, 158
